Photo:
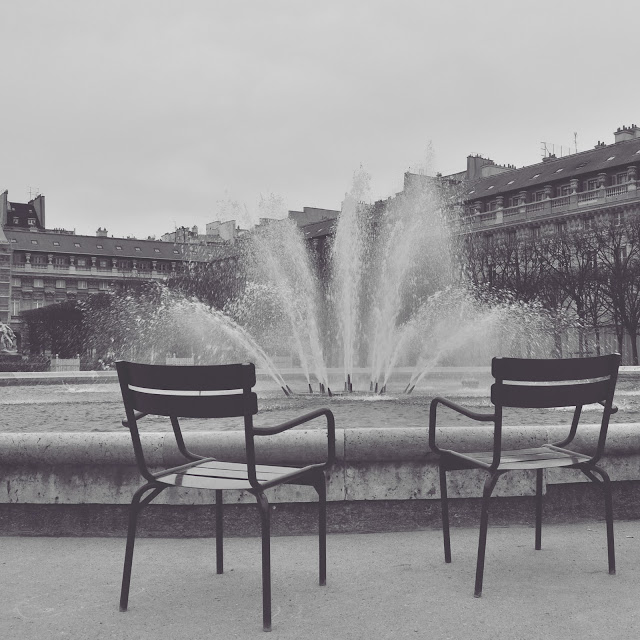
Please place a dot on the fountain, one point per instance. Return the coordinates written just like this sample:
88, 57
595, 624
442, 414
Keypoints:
391, 298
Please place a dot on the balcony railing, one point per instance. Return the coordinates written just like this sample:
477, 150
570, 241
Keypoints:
593, 199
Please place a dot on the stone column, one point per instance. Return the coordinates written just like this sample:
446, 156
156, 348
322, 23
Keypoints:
573, 196
632, 177
499, 208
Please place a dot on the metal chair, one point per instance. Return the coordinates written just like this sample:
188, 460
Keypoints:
214, 392
533, 384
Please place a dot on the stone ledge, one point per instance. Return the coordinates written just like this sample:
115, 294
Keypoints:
562, 504
372, 464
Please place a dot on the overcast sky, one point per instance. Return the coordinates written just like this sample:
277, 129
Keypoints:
145, 114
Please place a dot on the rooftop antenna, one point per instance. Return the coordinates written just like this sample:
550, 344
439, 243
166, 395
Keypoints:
575, 140
34, 192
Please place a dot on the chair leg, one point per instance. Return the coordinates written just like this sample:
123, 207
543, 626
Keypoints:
265, 518
608, 506
134, 510
444, 510
489, 485
321, 488
538, 509
219, 533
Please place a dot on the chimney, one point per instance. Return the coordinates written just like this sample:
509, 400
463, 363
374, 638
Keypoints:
101, 233
627, 133
4, 205
38, 205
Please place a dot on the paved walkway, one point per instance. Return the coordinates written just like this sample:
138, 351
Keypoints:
392, 585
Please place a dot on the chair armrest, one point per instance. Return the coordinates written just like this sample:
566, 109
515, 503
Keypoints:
137, 415
331, 429
474, 415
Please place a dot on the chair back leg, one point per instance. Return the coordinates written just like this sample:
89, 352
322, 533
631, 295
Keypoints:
489, 485
265, 519
219, 533
320, 486
444, 510
538, 544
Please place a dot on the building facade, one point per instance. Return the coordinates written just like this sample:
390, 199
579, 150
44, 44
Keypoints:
40, 266
568, 192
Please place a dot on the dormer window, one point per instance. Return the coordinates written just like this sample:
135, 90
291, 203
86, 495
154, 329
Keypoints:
76, 244
16, 221
31, 222
99, 246
56, 243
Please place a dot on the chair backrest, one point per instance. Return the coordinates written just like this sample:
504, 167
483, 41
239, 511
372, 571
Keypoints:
554, 383
216, 391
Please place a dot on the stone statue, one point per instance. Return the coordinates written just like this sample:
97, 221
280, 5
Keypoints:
7, 338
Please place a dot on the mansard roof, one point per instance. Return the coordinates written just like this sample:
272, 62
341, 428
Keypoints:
603, 158
53, 242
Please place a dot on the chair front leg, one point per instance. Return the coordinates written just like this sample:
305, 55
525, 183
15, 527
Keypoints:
320, 486
134, 510
265, 519
608, 507
219, 532
444, 510
489, 485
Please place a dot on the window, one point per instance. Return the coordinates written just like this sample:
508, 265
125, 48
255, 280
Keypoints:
61, 284
511, 182
559, 170
622, 252
103, 285
561, 227
538, 196
82, 284
138, 249
16, 221
37, 304
31, 222
512, 237
15, 282
588, 223
82, 262
34, 242
16, 307
38, 283
56, 243
563, 190
76, 244
618, 218
514, 201
103, 264
619, 178
118, 247
591, 185
157, 250
535, 232
491, 206
13, 240
609, 158
175, 251
534, 177
99, 246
